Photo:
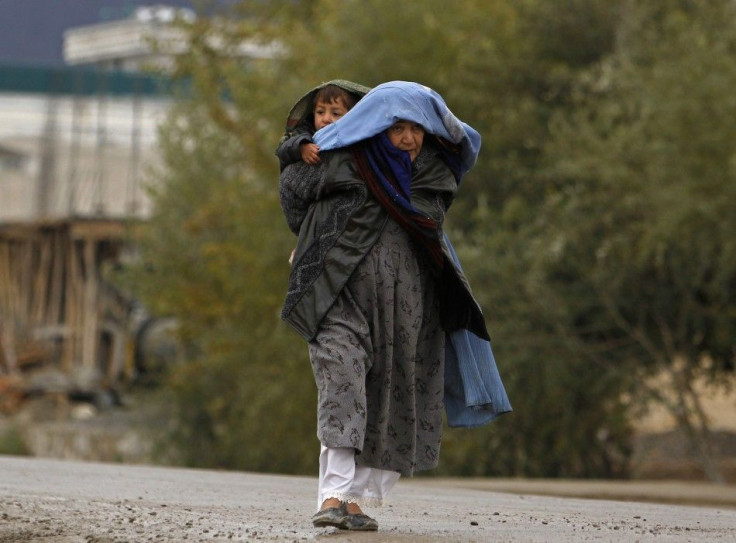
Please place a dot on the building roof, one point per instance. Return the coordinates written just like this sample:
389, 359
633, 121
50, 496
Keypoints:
80, 81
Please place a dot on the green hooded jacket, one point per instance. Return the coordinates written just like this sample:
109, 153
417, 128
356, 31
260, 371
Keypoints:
300, 121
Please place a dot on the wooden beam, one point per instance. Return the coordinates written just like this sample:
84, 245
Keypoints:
50, 281
90, 332
96, 230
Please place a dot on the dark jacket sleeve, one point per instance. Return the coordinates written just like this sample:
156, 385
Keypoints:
299, 186
288, 150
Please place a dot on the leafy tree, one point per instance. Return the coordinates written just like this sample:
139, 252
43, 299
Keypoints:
214, 256
640, 264
568, 231
506, 68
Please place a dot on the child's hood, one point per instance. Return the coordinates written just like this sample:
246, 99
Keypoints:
301, 109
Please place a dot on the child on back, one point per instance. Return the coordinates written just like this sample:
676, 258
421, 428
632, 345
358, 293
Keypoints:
318, 108
297, 152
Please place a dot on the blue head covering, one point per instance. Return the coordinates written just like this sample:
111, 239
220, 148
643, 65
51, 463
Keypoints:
401, 101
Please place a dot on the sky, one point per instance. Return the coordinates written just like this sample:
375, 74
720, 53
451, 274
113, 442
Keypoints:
31, 30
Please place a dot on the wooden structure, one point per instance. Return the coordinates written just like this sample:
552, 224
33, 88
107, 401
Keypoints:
55, 307
69, 193
74, 144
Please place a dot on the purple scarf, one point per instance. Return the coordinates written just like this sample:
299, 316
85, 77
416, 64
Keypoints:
387, 172
392, 167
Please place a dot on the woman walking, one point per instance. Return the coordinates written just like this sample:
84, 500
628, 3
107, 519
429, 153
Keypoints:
376, 292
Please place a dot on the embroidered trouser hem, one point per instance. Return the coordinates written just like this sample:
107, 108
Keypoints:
340, 478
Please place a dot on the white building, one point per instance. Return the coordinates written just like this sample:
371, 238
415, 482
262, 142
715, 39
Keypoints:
77, 141
147, 39
150, 38
65, 155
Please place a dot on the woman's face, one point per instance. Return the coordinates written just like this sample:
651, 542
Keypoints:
407, 136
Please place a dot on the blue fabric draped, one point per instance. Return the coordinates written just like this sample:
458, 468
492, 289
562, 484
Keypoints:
403, 101
474, 392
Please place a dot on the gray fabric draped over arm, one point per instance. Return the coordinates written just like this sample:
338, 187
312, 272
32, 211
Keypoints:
299, 186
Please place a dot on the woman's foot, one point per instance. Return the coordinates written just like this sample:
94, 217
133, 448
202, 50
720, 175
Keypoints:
359, 521
332, 513
353, 508
346, 516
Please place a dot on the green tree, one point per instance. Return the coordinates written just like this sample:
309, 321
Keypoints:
507, 69
214, 256
570, 417
544, 224
640, 264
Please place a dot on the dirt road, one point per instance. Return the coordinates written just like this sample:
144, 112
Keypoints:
68, 502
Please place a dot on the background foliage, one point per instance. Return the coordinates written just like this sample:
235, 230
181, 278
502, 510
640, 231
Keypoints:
596, 229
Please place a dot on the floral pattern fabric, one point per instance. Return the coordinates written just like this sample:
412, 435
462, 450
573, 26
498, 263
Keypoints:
378, 360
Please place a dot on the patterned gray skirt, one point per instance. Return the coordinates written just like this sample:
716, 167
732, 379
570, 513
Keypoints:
378, 361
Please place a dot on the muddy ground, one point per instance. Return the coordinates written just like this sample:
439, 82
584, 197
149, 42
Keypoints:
67, 501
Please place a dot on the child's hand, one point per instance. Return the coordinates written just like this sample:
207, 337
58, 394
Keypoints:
310, 153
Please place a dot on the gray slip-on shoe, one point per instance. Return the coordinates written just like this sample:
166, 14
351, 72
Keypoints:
332, 516
361, 522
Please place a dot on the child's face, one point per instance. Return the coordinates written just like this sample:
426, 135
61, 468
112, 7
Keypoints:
325, 114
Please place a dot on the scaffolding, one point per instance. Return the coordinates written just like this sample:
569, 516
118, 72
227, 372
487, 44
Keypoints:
56, 308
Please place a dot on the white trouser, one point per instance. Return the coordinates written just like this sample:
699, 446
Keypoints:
340, 478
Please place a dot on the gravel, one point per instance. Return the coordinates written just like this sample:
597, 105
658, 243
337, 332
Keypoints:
65, 501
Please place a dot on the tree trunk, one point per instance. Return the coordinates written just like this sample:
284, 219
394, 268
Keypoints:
693, 421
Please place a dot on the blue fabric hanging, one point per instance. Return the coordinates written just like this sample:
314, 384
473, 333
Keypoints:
474, 392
